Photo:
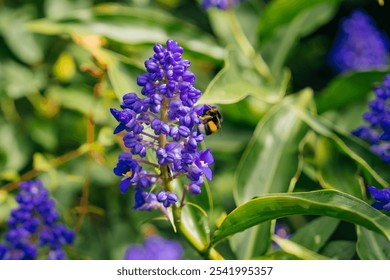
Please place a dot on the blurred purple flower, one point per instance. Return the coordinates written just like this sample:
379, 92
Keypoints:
220, 4
155, 248
359, 45
34, 226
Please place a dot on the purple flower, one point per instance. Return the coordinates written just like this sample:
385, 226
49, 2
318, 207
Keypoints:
359, 45
33, 226
377, 132
155, 248
220, 4
161, 131
382, 198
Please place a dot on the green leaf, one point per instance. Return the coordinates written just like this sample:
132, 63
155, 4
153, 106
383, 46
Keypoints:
267, 166
297, 250
339, 250
19, 81
351, 146
15, 148
271, 158
22, 43
131, 25
280, 13
279, 32
345, 89
371, 245
237, 81
324, 202
122, 78
315, 234
62, 8
335, 170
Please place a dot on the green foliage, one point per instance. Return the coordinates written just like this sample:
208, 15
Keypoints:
285, 152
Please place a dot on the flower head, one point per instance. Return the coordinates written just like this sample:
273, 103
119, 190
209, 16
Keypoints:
359, 45
161, 131
34, 224
155, 248
377, 132
220, 4
382, 198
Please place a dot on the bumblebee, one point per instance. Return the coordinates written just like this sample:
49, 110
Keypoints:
211, 120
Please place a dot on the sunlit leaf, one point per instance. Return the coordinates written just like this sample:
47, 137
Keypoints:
325, 202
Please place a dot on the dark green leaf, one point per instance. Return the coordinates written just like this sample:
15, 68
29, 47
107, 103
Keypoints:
268, 165
280, 13
271, 158
339, 250
315, 234
351, 146
347, 88
371, 245
23, 43
280, 32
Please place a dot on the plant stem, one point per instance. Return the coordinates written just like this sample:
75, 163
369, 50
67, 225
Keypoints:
202, 249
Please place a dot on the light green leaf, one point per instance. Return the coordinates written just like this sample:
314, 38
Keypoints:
325, 202
122, 78
237, 81
131, 25
296, 249
62, 8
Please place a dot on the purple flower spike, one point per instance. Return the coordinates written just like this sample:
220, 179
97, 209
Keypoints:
161, 131
377, 132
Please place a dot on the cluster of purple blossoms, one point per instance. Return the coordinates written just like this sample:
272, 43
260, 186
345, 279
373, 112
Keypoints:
34, 224
382, 198
161, 131
155, 248
377, 133
220, 4
359, 45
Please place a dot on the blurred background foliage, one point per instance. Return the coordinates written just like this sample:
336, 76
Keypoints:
64, 63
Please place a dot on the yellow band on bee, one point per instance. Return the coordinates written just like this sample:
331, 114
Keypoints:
213, 127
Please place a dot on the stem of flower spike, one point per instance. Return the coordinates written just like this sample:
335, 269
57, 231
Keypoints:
202, 249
